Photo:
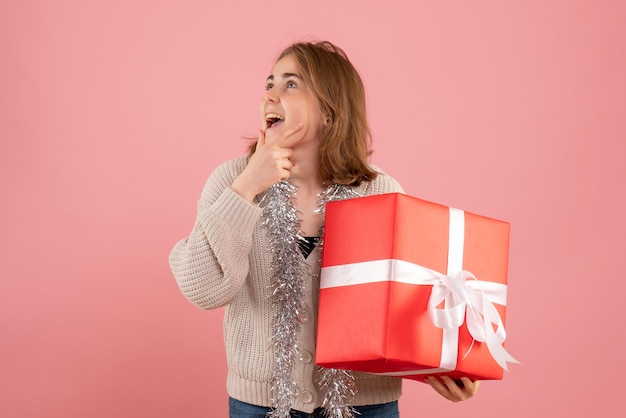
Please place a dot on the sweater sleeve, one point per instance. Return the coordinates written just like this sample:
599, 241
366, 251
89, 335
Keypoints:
211, 264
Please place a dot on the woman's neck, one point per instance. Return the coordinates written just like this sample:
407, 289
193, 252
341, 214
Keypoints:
305, 172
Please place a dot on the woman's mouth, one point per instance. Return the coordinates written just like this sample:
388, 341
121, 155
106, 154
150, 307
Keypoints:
273, 120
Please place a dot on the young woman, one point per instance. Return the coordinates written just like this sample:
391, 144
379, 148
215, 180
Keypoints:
255, 244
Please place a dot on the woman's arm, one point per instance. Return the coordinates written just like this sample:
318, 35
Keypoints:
211, 264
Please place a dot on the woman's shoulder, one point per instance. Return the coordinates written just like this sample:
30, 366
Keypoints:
383, 183
232, 167
229, 169
223, 176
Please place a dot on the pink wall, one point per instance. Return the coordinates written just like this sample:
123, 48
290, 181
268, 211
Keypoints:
113, 113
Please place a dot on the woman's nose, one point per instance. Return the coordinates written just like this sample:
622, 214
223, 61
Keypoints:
270, 98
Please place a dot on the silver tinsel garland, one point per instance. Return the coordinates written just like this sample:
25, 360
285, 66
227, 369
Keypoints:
336, 384
280, 217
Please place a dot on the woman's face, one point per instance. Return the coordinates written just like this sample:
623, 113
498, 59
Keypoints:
289, 101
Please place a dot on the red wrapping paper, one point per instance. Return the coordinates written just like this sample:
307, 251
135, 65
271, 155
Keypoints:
383, 326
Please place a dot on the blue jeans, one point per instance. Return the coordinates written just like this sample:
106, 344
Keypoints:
238, 409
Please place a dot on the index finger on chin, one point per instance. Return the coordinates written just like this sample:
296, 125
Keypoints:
290, 138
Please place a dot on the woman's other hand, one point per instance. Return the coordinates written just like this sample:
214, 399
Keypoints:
453, 391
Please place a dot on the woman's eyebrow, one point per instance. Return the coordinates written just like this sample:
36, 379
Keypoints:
284, 75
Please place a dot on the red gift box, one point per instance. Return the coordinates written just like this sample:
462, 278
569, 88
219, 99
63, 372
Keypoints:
412, 288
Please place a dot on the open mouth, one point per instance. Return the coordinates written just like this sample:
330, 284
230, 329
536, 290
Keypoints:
273, 120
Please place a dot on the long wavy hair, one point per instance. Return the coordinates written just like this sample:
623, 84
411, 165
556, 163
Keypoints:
345, 140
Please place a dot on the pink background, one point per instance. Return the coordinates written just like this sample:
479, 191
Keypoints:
113, 113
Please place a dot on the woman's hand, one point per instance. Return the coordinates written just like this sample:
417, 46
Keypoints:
452, 391
269, 164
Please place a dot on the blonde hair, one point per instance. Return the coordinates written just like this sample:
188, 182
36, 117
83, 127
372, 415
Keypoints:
345, 140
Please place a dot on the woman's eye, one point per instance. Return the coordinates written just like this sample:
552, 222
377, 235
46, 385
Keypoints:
268, 86
291, 84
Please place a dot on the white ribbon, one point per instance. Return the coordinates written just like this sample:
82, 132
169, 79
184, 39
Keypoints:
465, 297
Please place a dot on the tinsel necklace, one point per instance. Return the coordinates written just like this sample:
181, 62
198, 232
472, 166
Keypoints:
280, 217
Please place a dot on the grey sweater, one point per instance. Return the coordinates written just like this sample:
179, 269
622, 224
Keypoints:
226, 261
